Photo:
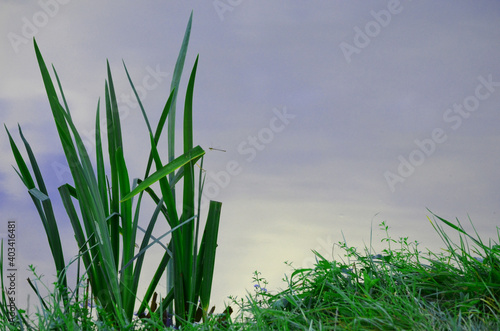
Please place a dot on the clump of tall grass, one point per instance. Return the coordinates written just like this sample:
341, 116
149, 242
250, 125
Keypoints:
400, 288
105, 219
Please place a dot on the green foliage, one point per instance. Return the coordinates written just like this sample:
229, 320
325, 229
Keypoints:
401, 289
105, 218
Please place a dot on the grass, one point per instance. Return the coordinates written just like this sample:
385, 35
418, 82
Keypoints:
99, 202
399, 288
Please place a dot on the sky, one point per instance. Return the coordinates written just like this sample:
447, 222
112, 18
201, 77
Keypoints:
334, 116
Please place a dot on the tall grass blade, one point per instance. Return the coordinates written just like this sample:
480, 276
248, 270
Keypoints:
179, 65
43, 206
206, 261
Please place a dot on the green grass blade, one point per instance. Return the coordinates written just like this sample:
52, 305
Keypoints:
85, 246
155, 241
53, 237
188, 110
138, 100
51, 92
128, 233
201, 183
114, 198
64, 192
101, 175
23, 172
179, 65
114, 108
188, 207
43, 206
156, 200
159, 128
209, 242
165, 187
453, 226
61, 91
192, 155
171, 132
34, 164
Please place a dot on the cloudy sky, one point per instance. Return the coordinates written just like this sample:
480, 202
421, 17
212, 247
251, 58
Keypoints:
334, 115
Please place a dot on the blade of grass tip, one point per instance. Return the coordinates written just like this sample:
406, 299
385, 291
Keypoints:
451, 225
24, 173
188, 110
51, 92
188, 145
475, 231
179, 65
114, 143
189, 191
34, 164
79, 166
192, 155
101, 175
138, 99
114, 107
114, 196
61, 91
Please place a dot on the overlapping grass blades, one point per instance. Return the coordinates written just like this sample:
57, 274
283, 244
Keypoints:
103, 214
403, 288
